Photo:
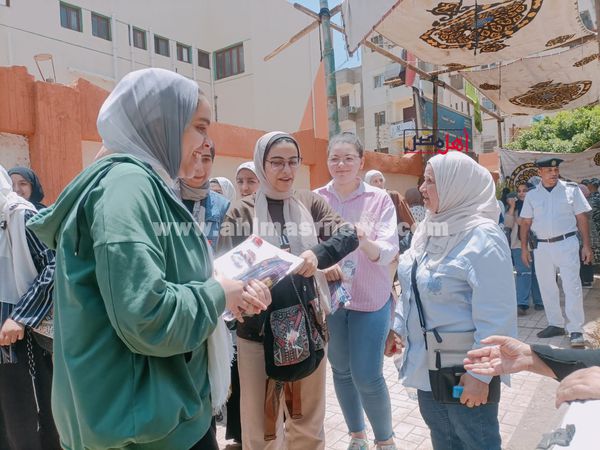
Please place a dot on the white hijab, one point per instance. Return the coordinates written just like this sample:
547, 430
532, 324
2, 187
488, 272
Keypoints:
17, 270
248, 165
372, 173
227, 187
145, 116
467, 199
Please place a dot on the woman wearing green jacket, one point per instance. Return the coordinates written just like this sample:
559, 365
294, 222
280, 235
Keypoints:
135, 300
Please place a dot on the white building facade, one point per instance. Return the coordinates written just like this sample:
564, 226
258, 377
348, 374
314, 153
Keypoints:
220, 44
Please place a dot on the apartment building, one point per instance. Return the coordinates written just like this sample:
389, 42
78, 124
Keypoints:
219, 44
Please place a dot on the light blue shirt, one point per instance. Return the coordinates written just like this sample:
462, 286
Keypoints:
472, 289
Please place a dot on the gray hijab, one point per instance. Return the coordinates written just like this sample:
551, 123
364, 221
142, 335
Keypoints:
145, 116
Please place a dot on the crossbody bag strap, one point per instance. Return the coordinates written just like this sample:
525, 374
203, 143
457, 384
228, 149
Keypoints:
415, 289
413, 280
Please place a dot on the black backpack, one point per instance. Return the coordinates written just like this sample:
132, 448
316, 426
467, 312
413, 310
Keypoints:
294, 331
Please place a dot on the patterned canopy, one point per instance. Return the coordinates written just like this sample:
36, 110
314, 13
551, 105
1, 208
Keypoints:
465, 33
568, 79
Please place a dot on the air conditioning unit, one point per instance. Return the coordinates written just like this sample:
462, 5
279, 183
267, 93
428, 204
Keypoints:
352, 109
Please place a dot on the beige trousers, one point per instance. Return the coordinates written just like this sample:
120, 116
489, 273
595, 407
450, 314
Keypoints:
295, 434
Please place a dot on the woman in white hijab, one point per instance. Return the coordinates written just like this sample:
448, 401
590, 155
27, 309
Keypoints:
26, 283
246, 179
136, 303
224, 187
375, 178
465, 281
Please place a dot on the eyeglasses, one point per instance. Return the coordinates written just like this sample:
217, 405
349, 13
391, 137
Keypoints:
347, 160
280, 163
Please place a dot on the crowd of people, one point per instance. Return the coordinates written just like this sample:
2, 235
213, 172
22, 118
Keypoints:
114, 335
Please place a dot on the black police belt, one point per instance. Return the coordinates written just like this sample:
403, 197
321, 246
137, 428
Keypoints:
562, 237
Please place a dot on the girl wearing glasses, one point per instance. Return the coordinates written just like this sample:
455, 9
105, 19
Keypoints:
282, 216
358, 331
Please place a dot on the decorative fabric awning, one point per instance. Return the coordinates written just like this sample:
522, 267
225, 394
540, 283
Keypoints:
519, 166
565, 80
465, 33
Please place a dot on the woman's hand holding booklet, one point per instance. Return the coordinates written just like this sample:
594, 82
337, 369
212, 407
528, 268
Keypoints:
257, 264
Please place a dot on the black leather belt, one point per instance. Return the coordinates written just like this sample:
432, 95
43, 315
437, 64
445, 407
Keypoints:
562, 237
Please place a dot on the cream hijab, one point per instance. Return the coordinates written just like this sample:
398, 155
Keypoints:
467, 199
293, 210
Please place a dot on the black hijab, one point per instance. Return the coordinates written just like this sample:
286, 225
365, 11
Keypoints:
37, 192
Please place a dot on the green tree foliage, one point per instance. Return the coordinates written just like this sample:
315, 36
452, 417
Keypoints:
566, 132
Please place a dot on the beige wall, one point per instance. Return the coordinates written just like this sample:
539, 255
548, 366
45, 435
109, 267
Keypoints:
14, 150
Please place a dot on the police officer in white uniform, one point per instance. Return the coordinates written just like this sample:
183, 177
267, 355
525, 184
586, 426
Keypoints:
555, 210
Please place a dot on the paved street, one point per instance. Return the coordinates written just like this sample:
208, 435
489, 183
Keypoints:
526, 409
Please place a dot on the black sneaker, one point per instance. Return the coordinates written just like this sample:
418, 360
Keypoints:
551, 331
538, 307
577, 340
521, 311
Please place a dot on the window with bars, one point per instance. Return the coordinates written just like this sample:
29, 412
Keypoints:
204, 59
161, 46
101, 26
139, 38
184, 53
230, 61
70, 17
345, 100
379, 118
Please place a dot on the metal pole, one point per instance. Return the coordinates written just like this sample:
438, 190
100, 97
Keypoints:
329, 61
500, 133
597, 5
434, 125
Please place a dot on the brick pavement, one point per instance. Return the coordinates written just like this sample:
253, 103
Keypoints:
524, 413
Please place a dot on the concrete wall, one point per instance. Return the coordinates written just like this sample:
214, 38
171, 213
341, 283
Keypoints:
14, 150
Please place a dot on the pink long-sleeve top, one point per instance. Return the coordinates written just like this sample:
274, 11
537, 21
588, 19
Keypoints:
369, 282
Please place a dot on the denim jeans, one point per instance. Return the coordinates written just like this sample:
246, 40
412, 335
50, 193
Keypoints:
458, 427
526, 281
356, 345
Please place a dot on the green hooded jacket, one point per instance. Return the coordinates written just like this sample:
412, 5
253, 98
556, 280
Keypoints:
134, 305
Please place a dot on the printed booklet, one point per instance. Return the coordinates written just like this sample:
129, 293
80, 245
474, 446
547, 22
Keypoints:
257, 259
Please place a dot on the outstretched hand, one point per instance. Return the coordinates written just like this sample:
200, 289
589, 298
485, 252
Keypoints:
503, 355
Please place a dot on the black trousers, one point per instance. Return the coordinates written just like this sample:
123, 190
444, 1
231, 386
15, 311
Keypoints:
19, 417
209, 441
234, 424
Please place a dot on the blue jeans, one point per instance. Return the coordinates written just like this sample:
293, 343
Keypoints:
458, 427
526, 281
355, 352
